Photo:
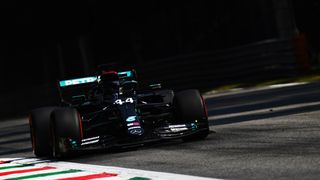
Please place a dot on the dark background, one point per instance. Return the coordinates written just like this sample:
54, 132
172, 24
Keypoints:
41, 42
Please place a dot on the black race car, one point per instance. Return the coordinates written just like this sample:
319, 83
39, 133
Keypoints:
111, 110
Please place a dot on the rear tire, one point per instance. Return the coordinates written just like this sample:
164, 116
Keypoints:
65, 125
39, 121
189, 108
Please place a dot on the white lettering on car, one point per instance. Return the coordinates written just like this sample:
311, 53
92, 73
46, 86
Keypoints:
120, 102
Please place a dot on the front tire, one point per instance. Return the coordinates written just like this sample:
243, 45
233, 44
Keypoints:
65, 125
190, 108
39, 121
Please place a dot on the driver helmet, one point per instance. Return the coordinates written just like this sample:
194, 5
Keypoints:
109, 81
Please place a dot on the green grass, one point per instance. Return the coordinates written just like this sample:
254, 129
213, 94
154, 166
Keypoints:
312, 77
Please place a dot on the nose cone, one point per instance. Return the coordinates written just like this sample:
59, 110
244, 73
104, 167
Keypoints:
134, 126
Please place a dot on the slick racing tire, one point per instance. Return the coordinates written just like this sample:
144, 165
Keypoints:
65, 125
189, 108
39, 121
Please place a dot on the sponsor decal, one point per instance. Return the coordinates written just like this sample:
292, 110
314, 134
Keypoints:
178, 129
72, 82
133, 124
90, 139
136, 131
89, 142
135, 127
177, 126
131, 118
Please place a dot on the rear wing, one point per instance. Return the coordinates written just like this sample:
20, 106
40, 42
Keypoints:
78, 81
75, 91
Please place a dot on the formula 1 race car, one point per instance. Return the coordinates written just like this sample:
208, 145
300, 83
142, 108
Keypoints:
110, 110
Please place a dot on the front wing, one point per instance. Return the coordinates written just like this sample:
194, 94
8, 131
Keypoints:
162, 133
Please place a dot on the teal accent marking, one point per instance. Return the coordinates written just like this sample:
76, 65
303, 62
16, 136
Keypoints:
73, 143
131, 118
127, 73
193, 126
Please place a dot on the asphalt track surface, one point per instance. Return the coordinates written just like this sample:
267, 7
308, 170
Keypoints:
255, 134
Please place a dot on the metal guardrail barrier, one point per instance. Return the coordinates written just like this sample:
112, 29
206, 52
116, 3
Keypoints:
263, 60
